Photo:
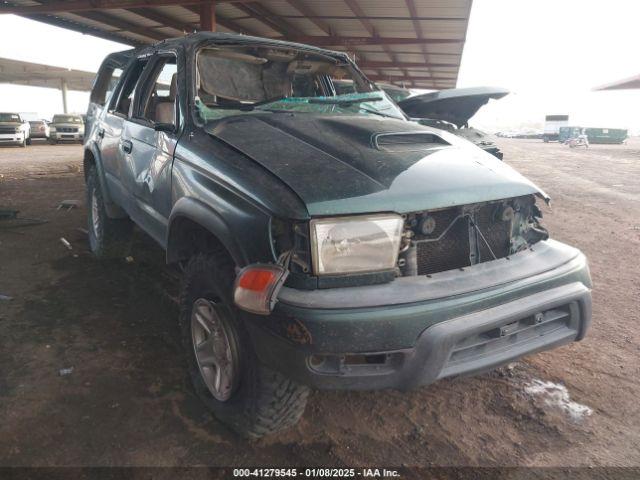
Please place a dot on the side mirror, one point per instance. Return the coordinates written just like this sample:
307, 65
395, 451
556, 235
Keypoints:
165, 127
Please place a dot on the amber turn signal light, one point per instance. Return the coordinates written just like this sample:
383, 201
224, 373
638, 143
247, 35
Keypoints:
256, 287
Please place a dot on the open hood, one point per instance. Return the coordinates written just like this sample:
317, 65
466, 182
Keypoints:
456, 105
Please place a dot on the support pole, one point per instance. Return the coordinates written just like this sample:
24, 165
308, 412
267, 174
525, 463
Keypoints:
208, 16
63, 85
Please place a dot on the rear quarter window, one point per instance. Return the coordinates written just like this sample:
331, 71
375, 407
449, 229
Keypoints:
105, 83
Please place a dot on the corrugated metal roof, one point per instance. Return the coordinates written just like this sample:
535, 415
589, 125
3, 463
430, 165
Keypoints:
417, 43
624, 84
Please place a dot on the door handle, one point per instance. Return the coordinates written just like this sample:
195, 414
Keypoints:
101, 132
127, 146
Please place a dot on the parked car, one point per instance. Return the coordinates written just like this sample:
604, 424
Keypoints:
325, 241
66, 128
14, 130
39, 129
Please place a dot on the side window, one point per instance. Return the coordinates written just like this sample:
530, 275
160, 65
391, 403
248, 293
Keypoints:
158, 98
105, 84
116, 73
121, 103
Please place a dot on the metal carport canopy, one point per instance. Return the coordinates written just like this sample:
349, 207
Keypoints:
415, 43
624, 84
36, 75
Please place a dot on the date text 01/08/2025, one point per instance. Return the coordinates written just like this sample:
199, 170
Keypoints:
315, 472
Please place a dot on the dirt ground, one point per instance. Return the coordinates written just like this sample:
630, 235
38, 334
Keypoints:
128, 400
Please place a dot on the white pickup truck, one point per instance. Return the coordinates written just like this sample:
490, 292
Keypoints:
14, 130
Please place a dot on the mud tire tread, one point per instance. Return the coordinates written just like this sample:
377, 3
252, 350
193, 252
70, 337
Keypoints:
266, 401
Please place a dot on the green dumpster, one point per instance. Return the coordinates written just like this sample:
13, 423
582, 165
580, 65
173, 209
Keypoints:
606, 135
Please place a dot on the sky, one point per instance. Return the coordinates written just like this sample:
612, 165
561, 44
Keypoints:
548, 53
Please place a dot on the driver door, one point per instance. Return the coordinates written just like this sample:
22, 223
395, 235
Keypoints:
153, 133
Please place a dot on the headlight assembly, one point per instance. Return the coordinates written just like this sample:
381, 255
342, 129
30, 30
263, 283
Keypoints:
364, 243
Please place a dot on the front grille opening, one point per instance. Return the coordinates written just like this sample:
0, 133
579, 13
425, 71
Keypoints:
496, 232
459, 237
449, 252
365, 359
497, 339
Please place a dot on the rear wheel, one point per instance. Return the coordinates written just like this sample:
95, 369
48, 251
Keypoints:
241, 392
108, 237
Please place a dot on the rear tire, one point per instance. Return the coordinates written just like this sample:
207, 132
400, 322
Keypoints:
108, 237
258, 400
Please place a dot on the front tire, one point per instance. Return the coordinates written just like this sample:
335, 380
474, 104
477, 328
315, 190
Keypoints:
226, 374
108, 237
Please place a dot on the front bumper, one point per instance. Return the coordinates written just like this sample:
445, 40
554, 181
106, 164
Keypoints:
416, 330
69, 137
12, 137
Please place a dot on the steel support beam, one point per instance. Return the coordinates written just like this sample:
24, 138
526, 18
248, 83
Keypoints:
224, 22
402, 78
208, 16
355, 41
374, 64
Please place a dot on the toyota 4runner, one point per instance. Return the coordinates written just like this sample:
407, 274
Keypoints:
326, 241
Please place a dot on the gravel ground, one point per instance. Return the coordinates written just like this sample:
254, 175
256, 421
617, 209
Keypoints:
128, 401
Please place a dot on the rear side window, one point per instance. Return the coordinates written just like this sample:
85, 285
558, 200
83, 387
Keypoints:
105, 83
121, 103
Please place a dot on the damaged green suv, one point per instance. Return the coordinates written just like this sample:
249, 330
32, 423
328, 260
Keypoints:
326, 241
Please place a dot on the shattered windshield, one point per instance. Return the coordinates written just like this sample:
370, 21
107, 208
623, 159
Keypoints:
9, 117
240, 79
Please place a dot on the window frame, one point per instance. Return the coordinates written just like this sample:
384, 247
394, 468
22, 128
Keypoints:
116, 97
144, 88
103, 80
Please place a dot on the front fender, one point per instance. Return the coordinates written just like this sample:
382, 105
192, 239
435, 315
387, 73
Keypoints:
199, 213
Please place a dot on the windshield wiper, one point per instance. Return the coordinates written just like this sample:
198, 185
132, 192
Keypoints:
344, 101
375, 112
